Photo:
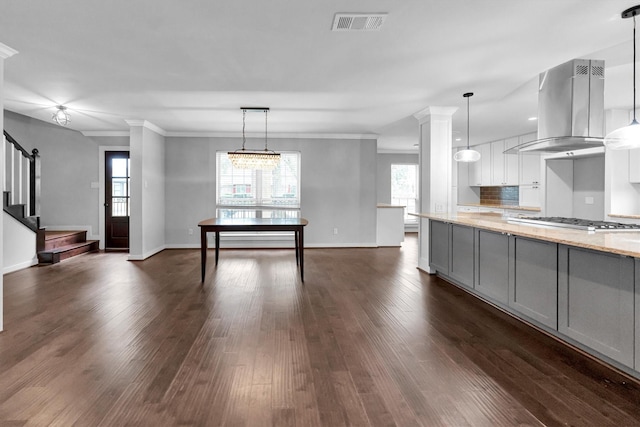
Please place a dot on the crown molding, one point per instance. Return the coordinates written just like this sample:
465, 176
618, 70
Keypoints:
273, 135
422, 115
144, 123
106, 133
398, 151
6, 51
148, 125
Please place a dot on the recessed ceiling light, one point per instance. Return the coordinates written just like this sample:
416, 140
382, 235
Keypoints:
532, 119
458, 139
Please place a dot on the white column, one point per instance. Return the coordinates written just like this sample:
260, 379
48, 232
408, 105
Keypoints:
147, 159
436, 196
5, 53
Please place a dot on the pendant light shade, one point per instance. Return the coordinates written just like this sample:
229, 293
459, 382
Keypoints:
468, 155
629, 136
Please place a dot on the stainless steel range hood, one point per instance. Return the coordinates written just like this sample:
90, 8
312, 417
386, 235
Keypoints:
570, 108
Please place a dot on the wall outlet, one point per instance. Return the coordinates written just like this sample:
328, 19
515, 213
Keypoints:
335, 230
190, 231
439, 208
588, 200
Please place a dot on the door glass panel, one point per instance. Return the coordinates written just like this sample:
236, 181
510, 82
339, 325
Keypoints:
119, 167
120, 187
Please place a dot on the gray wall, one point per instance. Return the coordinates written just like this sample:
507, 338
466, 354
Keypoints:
69, 166
338, 182
338, 187
383, 174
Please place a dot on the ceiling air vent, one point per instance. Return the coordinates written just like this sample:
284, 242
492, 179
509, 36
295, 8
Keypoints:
358, 21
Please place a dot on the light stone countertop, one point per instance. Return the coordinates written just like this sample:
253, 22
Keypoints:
621, 242
513, 207
387, 205
624, 216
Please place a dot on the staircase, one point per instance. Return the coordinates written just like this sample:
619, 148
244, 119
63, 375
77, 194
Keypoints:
55, 246
21, 200
18, 211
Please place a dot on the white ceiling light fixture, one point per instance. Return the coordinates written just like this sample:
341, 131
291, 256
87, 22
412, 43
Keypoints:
467, 155
61, 116
254, 159
629, 136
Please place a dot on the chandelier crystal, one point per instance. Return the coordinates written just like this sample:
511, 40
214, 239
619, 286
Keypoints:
254, 159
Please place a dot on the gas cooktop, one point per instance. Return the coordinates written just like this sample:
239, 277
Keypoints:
577, 223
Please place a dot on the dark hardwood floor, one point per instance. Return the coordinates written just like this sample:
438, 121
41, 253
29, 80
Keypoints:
367, 340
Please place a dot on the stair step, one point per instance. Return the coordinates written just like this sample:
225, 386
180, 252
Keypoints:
61, 238
60, 253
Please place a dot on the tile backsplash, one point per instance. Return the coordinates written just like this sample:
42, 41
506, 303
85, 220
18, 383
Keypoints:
499, 195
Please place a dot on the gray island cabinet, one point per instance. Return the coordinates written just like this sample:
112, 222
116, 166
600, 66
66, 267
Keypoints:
588, 298
596, 300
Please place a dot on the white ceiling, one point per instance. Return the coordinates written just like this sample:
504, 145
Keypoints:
188, 66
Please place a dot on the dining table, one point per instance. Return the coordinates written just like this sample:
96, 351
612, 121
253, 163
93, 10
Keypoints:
219, 225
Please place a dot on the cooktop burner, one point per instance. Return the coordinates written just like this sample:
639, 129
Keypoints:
577, 223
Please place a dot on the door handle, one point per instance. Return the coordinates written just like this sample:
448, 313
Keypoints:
106, 205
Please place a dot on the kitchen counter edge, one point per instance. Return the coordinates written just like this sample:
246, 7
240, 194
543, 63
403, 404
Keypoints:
622, 242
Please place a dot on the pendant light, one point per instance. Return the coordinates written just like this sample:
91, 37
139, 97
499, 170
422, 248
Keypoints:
467, 155
254, 159
629, 136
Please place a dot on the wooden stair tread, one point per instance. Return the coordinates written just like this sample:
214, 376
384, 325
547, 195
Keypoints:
70, 247
55, 234
66, 249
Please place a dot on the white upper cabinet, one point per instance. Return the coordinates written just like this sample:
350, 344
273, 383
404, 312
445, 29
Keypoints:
529, 168
480, 171
529, 164
504, 167
511, 163
497, 161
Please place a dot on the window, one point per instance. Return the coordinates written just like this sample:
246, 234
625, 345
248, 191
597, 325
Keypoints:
404, 189
276, 189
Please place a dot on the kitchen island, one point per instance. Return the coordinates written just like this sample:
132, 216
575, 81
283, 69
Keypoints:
580, 287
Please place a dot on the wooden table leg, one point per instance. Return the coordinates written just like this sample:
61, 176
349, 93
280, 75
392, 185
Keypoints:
301, 248
217, 245
203, 251
296, 237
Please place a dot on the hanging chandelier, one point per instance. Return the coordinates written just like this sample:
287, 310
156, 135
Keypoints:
467, 155
61, 116
254, 159
629, 136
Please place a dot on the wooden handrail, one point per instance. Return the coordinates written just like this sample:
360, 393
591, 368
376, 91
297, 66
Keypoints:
25, 153
34, 174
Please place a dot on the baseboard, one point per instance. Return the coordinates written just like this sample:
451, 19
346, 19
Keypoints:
20, 266
268, 244
146, 254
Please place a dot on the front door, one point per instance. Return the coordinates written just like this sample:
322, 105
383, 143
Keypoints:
116, 200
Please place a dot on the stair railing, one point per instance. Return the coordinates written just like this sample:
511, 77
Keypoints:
22, 175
